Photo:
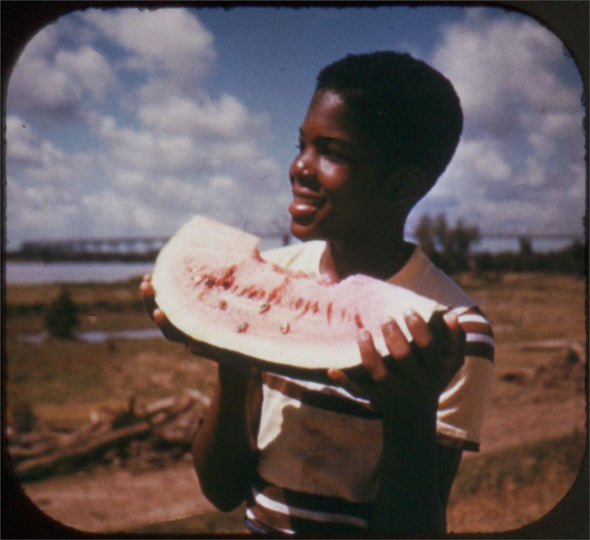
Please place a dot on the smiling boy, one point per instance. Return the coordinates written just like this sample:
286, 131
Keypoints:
377, 453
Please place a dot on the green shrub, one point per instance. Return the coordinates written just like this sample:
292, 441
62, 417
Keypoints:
62, 316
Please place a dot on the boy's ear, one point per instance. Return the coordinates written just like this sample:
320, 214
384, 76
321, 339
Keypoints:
406, 184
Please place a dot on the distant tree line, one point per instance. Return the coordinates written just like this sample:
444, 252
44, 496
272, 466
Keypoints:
449, 247
568, 260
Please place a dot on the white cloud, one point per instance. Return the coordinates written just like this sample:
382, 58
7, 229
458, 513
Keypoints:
184, 151
174, 169
169, 41
483, 159
151, 144
43, 211
22, 146
520, 162
87, 69
226, 118
111, 213
33, 161
499, 65
148, 151
51, 80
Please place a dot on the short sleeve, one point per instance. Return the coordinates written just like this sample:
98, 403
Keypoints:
463, 404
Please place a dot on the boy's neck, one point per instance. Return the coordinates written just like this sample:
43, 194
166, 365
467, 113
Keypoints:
380, 257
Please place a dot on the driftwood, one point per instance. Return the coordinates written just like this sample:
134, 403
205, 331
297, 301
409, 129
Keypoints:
552, 344
152, 434
48, 462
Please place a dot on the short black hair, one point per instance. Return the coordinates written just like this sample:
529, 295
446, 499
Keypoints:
410, 110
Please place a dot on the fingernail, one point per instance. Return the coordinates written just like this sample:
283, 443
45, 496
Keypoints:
363, 335
410, 314
388, 328
336, 376
450, 317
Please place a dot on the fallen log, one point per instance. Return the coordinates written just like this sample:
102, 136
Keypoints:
28, 439
164, 426
42, 465
551, 344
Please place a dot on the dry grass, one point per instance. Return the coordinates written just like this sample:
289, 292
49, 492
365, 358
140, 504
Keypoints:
533, 443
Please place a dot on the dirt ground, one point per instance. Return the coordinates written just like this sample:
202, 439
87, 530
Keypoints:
538, 395
105, 500
111, 500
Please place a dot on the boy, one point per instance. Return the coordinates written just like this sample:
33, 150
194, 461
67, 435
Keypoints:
379, 452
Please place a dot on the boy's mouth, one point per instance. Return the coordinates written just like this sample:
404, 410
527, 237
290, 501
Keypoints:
305, 206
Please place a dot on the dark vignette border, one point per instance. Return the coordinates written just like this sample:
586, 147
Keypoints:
20, 20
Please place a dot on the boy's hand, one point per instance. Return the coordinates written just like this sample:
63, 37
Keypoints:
156, 314
412, 378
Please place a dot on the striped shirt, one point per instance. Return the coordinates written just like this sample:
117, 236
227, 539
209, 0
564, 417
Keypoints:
320, 446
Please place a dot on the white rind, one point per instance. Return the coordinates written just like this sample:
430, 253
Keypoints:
313, 341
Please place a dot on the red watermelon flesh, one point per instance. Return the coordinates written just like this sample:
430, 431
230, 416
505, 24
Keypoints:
214, 286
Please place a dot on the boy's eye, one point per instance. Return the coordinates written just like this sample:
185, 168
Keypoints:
334, 152
327, 148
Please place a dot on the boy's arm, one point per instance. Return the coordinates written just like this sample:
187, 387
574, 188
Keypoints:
224, 449
448, 460
416, 473
415, 486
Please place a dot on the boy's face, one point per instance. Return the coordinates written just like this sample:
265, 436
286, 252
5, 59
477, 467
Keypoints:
331, 173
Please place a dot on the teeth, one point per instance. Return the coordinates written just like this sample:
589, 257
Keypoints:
302, 199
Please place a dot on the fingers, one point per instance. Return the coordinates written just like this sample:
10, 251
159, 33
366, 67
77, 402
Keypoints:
148, 294
370, 358
436, 347
396, 342
417, 369
456, 335
356, 380
420, 331
156, 314
338, 377
160, 317
371, 370
170, 332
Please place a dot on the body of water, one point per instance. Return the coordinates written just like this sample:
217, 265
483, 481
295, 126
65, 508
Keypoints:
37, 272
98, 336
21, 273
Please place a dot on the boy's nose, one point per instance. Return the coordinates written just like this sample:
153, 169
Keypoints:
301, 167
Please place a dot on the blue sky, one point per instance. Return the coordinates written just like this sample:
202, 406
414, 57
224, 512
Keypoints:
127, 122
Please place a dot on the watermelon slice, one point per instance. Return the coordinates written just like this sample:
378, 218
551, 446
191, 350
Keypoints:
214, 286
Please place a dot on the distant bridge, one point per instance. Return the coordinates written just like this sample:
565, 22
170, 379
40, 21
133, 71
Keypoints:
131, 245
79, 246
144, 245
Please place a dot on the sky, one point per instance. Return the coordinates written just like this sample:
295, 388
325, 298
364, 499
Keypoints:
126, 122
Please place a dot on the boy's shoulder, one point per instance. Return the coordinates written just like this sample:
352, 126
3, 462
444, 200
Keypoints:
423, 277
419, 274
303, 256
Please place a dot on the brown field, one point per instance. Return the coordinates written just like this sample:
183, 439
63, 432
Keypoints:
532, 449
